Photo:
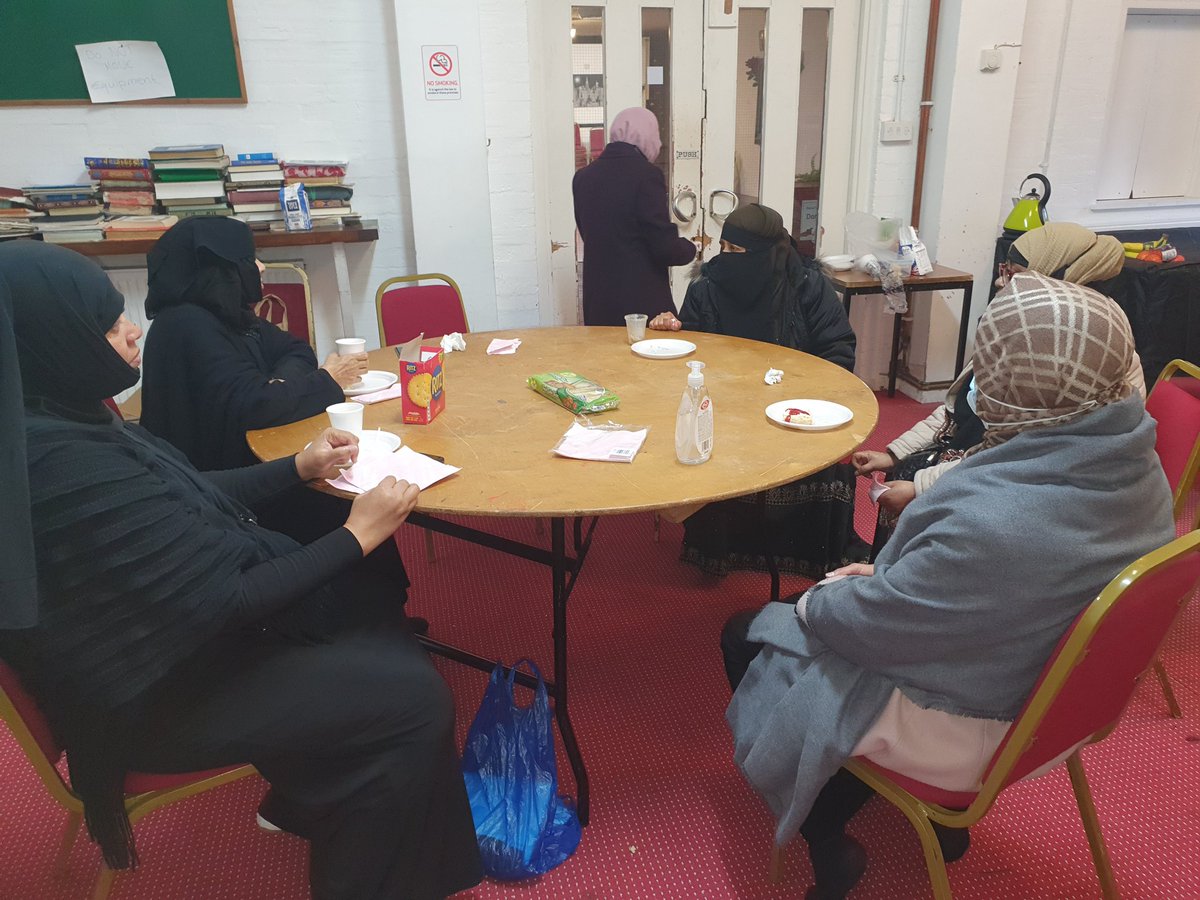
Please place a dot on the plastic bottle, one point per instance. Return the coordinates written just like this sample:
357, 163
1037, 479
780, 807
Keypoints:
694, 424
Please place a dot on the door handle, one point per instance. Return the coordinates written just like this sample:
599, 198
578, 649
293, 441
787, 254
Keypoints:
712, 205
686, 195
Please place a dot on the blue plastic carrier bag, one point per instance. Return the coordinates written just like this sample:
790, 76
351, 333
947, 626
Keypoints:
524, 828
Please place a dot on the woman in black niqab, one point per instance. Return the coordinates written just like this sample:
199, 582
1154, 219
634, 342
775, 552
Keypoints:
172, 633
213, 369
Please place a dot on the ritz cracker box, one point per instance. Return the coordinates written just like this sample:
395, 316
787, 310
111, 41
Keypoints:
423, 384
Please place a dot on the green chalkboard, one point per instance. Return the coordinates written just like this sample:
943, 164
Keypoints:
39, 65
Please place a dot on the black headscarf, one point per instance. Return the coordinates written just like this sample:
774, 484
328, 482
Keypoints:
55, 308
208, 261
753, 282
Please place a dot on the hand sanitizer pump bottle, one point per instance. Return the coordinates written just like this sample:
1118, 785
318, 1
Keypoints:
694, 424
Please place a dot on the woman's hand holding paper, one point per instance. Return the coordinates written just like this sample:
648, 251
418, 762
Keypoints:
377, 514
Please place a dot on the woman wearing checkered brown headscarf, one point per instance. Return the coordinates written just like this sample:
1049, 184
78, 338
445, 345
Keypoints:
920, 662
1046, 352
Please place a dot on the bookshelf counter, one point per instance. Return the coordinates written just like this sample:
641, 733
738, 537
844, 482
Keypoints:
335, 239
261, 239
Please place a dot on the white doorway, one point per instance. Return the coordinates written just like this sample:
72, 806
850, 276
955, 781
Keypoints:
750, 96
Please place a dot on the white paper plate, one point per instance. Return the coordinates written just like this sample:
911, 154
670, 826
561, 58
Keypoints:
375, 440
374, 380
839, 263
663, 348
379, 440
824, 414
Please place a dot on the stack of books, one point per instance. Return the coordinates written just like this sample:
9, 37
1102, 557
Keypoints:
16, 210
138, 228
73, 212
253, 183
190, 180
328, 190
125, 184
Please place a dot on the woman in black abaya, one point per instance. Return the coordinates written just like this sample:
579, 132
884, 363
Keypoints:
215, 370
172, 633
759, 287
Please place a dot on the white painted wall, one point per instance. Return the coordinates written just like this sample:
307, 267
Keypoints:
319, 85
349, 85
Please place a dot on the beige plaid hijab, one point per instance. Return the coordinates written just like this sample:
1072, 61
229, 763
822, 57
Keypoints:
1046, 352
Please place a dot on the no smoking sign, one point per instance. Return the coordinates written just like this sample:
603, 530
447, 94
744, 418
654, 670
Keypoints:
441, 72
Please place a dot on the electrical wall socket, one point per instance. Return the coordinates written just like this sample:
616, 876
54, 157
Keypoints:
895, 131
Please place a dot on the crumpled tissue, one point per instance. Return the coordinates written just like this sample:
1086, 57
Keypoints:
453, 341
773, 376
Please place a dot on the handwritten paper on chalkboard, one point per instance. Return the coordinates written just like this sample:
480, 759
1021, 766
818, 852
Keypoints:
125, 70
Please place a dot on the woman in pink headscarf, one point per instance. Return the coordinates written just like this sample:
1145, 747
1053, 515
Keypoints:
621, 211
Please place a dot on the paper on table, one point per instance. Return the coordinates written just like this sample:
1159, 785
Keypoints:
373, 466
600, 444
503, 346
773, 376
877, 490
388, 393
125, 70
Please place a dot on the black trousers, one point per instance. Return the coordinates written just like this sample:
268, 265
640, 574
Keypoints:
355, 736
843, 795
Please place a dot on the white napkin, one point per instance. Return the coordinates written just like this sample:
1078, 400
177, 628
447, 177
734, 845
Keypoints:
372, 466
773, 376
503, 346
453, 341
388, 393
599, 444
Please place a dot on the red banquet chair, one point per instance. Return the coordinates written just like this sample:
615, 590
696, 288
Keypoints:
405, 308
1078, 699
1174, 404
144, 793
287, 301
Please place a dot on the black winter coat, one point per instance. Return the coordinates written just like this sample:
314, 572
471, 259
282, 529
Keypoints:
814, 320
629, 240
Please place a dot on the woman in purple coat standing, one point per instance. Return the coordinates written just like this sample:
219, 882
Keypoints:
621, 212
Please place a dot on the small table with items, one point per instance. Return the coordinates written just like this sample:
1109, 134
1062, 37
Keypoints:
500, 432
853, 282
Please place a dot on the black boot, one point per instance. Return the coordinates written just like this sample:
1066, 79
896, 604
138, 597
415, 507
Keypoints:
838, 864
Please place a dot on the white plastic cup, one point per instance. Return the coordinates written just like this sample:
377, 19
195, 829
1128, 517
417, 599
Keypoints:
635, 327
346, 416
351, 346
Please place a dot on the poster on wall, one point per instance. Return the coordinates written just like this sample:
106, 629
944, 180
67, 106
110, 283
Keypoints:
589, 99
441, 72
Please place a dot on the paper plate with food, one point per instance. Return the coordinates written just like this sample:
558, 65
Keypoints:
809, 415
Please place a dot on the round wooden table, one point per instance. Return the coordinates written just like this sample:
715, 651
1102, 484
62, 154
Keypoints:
500, 432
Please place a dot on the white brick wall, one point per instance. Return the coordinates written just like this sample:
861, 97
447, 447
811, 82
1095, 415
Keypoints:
321, 84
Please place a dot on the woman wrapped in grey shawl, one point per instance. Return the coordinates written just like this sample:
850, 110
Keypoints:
986, 570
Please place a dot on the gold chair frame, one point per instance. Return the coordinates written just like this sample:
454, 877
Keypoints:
1179, 501
922, 815
137, 806
413, 279
308, 304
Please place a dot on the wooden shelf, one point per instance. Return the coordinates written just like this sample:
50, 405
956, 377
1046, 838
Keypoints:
261, 239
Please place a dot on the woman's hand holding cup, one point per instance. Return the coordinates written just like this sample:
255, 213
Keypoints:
346, 370
377, 514
666, 322
333, 451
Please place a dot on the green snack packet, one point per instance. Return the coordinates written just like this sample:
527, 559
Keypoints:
574, 392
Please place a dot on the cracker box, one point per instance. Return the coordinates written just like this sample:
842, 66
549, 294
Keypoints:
424, 387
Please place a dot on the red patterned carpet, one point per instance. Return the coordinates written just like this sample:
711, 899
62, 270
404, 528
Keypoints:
671, 816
